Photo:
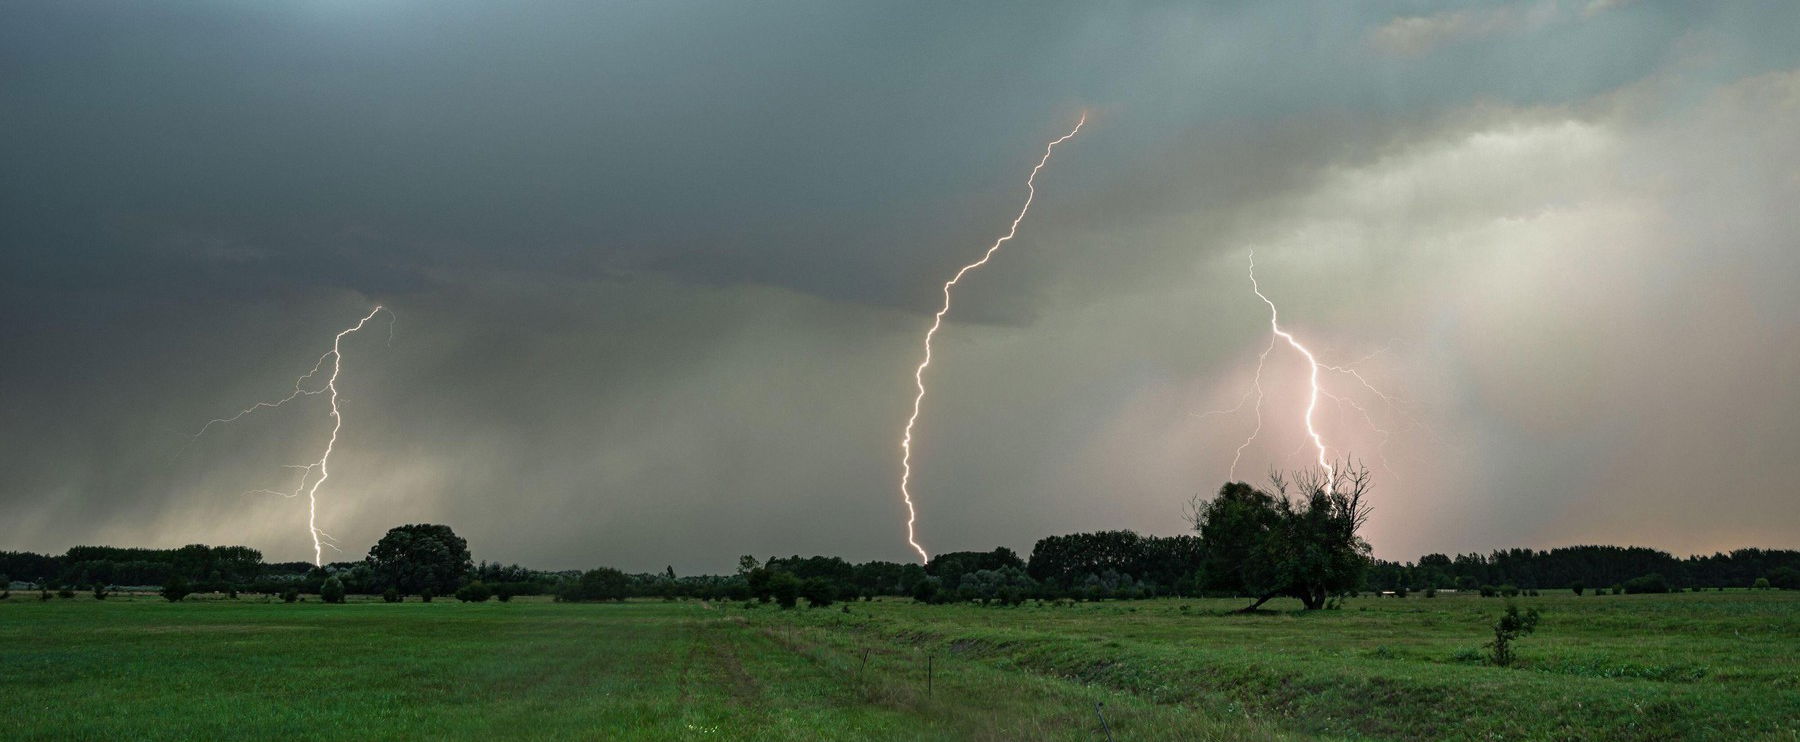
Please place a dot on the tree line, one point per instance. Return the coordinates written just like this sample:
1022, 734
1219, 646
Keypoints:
1587, 566
1297, 537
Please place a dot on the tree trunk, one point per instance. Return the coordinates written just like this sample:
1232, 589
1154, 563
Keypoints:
1259, 602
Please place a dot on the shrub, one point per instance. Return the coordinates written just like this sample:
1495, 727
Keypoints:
175, 589
233, 594
67, 593
332, 591
290, 595
1762, 583
1577, 587
425, 595
390, 595
926, 590
1489, 591
1431, 592
1512, 626
1616, 589
100, 592
1650, 583
1508, 590
785, 588
818, 592
474, 592
1399, 591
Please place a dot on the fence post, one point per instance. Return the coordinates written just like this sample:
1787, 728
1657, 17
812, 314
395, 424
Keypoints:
927, 674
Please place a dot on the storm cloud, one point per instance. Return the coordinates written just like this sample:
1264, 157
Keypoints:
660, 271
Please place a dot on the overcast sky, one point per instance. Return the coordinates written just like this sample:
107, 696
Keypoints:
659, 272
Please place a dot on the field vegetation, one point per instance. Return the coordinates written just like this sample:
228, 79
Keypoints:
1695, 665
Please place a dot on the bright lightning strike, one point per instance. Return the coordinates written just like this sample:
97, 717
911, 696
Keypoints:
320, 538
1312, 399
1315, 390
937, 322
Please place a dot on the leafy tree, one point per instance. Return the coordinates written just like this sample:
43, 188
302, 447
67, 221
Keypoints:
390, 595
100, 592
1785, 578
1511, 626
1268, 545
1762, 583
175, 589
474, 592
426, 595
757, 579
290, 595
926, 590
951, 566
421, 556
604, 583
818, 591
332, 591
785, 588
1577, 587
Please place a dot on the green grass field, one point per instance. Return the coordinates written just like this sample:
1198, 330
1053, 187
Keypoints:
1715, 665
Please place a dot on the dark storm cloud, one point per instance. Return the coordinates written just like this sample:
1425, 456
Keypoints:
660, 268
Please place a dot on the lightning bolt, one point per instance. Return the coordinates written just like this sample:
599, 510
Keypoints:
937, 322
1313, 366
320, 538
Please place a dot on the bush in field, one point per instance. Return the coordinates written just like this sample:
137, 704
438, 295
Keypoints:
1577, 587
818, 592
1616, 589
100, 592
290, 595
1508, 590
390, 595
926, 590
332, 591
1431, 592
65, 593
474, 592
175, 589
426, 595
1489, 591
1762, 583
785, 588
1510, 628
1650, 583
1399, 591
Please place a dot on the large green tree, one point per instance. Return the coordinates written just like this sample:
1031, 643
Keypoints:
1302, 545
421, 556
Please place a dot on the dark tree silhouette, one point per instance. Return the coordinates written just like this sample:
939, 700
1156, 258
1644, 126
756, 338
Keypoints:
420, 557
1302, 545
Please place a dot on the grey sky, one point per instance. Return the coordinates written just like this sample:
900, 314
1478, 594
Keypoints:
661, 270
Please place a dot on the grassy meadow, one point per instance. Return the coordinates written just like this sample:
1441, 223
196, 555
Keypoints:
1713, 665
